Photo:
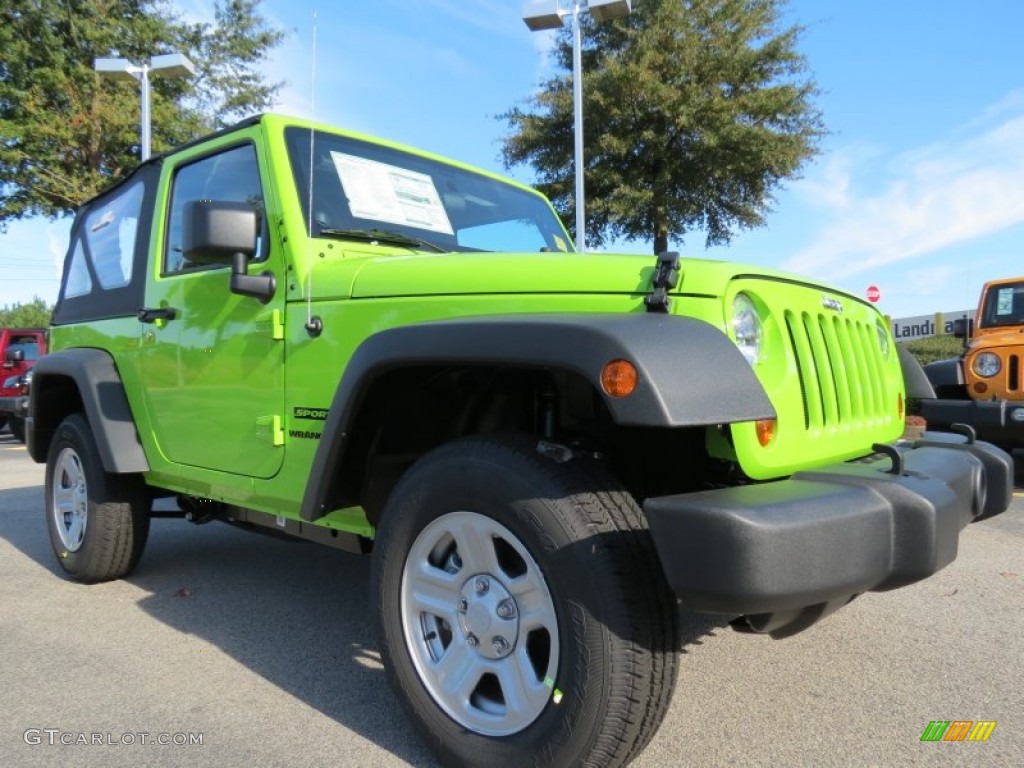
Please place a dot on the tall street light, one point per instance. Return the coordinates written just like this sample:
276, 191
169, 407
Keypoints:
549, 14
169, 65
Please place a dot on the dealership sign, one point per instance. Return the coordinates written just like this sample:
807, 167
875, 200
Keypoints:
923, 326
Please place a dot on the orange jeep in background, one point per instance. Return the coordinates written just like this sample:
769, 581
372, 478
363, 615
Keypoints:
984, 387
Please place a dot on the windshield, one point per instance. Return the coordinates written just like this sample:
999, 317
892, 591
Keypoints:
363, 187
1004, 305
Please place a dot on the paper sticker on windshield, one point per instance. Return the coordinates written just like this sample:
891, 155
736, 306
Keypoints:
383, 192
560, 244
1004, 301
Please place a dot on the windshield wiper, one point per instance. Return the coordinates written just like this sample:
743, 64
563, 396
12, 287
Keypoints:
382, 236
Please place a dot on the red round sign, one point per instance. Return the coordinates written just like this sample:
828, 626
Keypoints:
874, 294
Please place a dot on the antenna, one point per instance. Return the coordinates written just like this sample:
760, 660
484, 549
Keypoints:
314, 325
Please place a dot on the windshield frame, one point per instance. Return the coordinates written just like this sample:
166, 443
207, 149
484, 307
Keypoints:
989, 316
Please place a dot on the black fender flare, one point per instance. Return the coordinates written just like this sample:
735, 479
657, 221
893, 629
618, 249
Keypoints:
101, 391
946, 373
917, 381
690, 372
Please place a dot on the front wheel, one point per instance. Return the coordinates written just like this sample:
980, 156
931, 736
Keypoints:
98, 521
523, 614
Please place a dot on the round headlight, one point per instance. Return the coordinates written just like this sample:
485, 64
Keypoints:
746, 328
987, 365
11, 381
883, 339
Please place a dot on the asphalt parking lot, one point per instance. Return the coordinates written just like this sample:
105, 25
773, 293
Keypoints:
262, 650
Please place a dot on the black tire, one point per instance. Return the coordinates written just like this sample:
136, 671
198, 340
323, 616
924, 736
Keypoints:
3, 421
98, 522
592, 658
17, 425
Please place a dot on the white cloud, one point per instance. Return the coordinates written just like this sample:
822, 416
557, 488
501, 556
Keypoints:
931, 198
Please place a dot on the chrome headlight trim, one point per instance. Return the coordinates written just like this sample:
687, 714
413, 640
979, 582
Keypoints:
747, 328
987, 365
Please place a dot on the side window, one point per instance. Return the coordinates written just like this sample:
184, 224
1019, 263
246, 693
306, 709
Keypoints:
78, 281
110, 232
230, 176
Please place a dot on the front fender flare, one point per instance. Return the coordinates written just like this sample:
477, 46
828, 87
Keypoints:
690, 373
946, 373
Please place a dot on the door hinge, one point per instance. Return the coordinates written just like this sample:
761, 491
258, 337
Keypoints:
277, 325
270, 428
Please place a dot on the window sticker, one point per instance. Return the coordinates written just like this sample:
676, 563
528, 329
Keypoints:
1004, 301
388, 193
560, 244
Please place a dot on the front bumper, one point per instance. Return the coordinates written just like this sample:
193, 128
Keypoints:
997, 421
785, 554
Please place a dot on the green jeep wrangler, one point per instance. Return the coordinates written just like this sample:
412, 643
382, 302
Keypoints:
299, 329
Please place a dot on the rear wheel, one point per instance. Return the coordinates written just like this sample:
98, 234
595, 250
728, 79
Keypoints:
524, 617
98, 521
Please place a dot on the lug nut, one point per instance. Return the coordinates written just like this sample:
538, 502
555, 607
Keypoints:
500, 645
482, 585
463, 606
471, 640
505, 609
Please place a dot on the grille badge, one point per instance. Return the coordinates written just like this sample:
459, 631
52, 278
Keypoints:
829, 303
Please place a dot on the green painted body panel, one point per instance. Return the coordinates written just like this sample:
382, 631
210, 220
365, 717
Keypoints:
214, 392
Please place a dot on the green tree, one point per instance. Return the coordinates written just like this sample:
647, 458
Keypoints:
35, 314
66, 132
695, 111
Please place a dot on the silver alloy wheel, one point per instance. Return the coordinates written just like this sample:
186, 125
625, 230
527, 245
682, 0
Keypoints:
479, 623
70, 499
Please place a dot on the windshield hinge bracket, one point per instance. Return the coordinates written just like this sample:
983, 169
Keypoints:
665, 278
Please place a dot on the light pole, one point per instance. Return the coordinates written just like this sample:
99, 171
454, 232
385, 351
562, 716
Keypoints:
169, 65
548, 14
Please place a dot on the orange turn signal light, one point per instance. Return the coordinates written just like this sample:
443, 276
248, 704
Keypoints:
619, 378
980, 387
765, 431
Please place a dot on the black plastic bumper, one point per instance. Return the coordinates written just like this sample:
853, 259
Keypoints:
11, 404
997, 421
787, 553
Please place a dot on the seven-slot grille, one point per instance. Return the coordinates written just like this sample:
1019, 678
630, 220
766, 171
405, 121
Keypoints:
840, 369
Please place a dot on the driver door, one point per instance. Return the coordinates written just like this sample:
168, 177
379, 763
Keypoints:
214, 373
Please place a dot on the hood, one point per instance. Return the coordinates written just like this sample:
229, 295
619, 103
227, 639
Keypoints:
988, 338
476, 273
536, 273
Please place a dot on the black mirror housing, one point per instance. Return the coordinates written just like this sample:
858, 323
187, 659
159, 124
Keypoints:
15, 356
224, 233
962, 328
215, 231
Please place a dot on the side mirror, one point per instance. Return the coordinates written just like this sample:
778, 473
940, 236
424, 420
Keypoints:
15, 356
223, 233
963, 327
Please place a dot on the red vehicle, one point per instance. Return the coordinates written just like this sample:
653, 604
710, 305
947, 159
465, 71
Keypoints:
19, 350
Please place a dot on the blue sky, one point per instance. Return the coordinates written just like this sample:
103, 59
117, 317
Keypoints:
919, 188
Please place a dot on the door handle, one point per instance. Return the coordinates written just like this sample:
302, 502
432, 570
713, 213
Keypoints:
152, 315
